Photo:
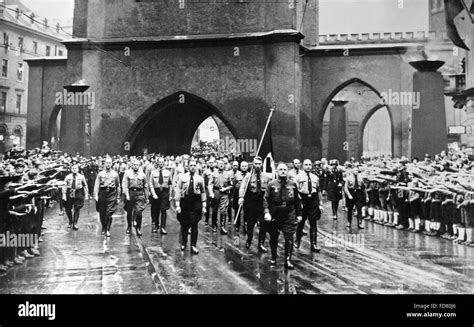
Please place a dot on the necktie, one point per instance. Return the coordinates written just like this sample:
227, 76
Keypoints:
282, 186
73, 186
259, 183
160, 178
356, 182
191, 183
310, 185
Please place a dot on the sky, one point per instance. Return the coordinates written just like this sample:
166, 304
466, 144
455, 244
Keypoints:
359, 16
51, 8
336, 16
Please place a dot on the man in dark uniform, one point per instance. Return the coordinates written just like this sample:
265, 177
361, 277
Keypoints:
251, 195
75, 192
220, 185
107, 195
160, 183
311, 199
281, 204
190, 199
355, 196
333, 183
136, 195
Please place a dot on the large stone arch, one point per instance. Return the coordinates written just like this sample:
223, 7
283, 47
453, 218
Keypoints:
362, 114
380, 69
177, 117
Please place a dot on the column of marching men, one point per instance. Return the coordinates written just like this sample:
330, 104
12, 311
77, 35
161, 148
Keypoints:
434, 197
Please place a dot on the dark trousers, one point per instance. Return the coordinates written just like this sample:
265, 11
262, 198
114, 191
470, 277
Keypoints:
312, 213
106, 206
350, 207
220, 203
135, 208
160, 206
185, 226
253, 213
274, 232
335, 206
75, 203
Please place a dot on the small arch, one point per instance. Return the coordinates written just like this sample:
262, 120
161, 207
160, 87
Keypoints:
340, 88
364, 124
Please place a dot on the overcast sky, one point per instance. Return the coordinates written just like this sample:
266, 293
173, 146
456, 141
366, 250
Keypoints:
336, 16
51, 8
357, 16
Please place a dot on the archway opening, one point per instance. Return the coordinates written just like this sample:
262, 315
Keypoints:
54, 127
377, 135
345, 118
211, 136
175, 124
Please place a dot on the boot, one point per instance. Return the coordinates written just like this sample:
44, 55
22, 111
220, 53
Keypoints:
314, 240
163, 223
288, 253
109, 224
223, 230
297, 243
261, 248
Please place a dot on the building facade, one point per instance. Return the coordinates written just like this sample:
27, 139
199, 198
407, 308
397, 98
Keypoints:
157, 69
23, 35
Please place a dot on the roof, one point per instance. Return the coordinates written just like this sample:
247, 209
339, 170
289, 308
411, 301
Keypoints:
28, 19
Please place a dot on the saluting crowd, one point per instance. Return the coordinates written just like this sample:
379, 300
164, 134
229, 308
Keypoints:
434, 196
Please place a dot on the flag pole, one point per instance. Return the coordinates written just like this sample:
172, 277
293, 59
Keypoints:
272, 109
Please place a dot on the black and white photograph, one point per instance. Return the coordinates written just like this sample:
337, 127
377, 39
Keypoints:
236, 147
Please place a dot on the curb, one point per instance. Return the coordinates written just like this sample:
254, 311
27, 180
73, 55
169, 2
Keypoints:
157, 280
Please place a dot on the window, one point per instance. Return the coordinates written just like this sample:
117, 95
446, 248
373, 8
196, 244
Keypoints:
6, 40
60, 53
20, 43
18, 103
35, 47
48, 51
3, 101
16, 136
4, 68
3, 133
20, 71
